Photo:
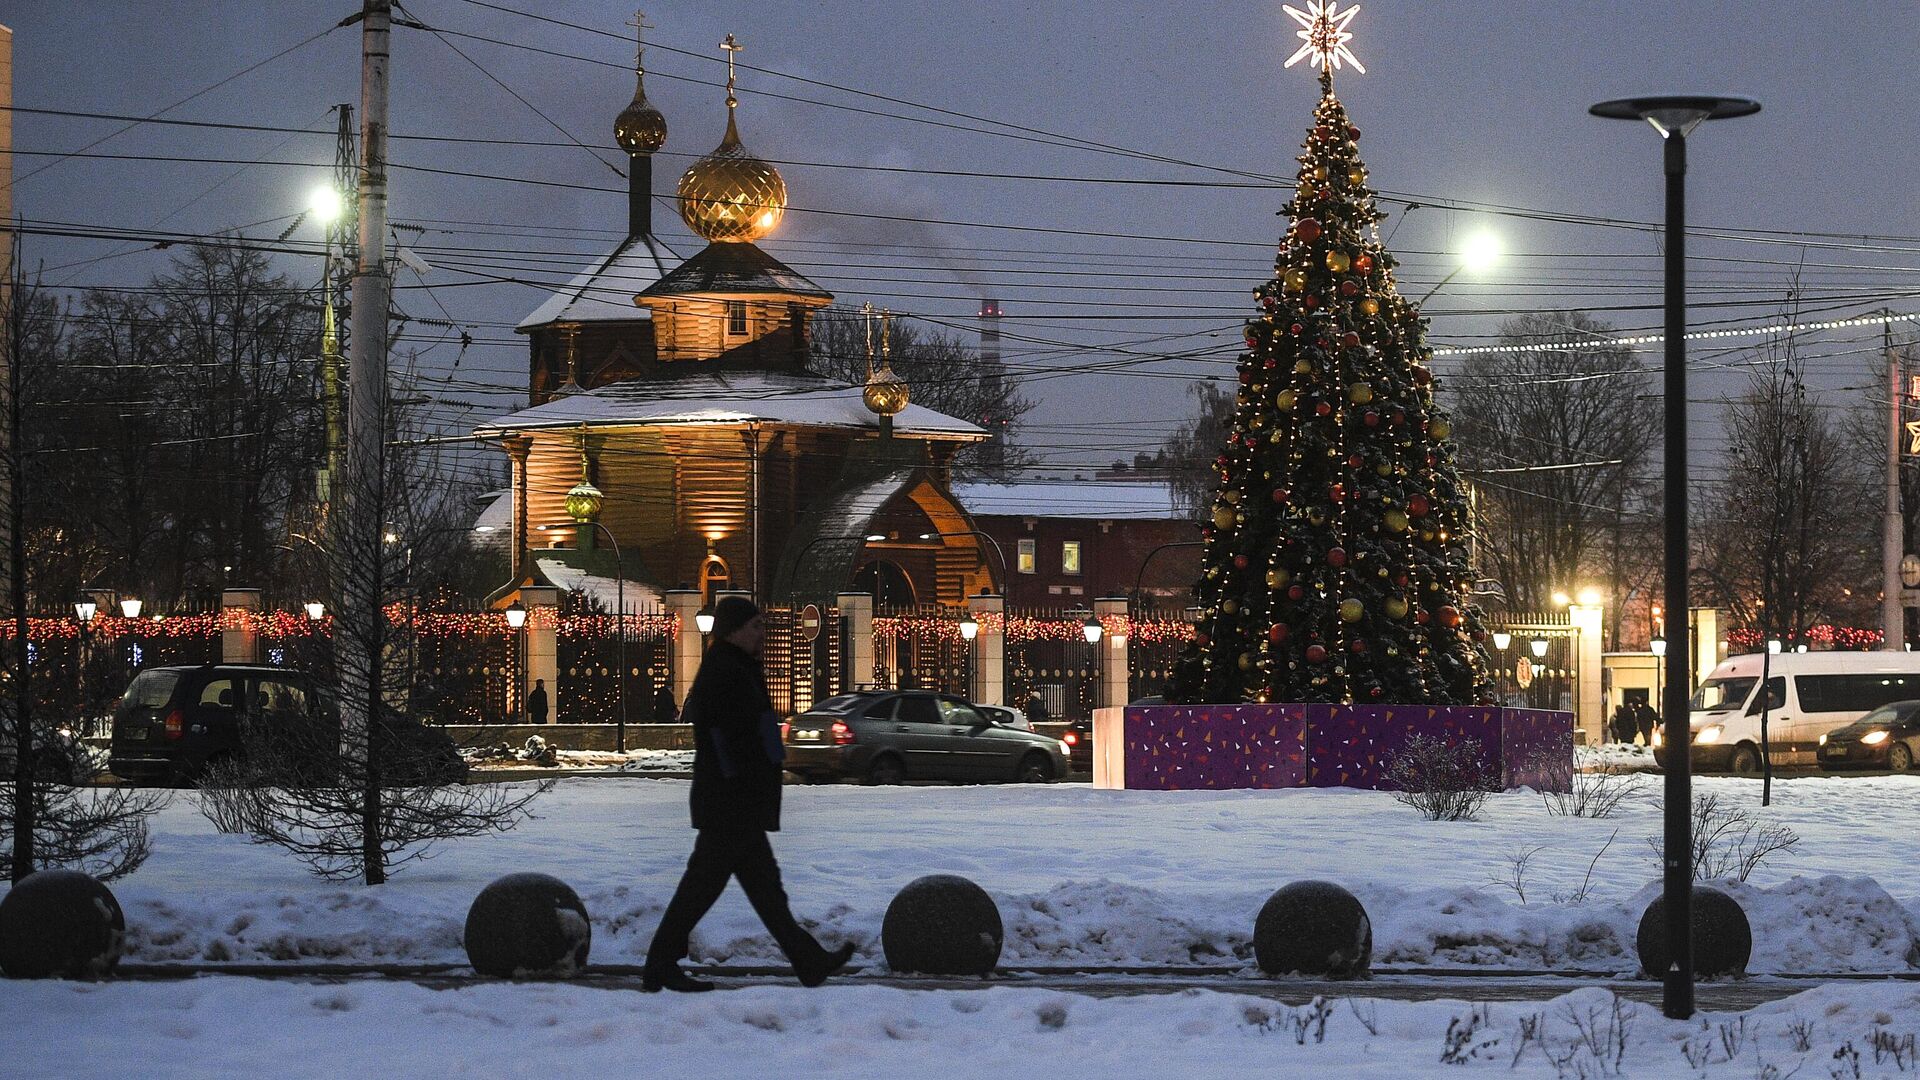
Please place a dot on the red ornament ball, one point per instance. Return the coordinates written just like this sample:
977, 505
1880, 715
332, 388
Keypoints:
1355, 461
1316, 654
1201, 637
1296, 593
1371, 419
1422, 375
1308, 229
1278, 633
1362, 264
1337, 492
1450, 616
1349, 287
1337, 556
1422, 617
1280, 494
1352, 132
1322, 131
1359, 646
1350, 339
1239, 562
1399, 417
1323, 409
1311, 302
1417, 506
1246, 376
1296, 329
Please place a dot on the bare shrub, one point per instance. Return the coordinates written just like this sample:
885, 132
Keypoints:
293, 789
1729, 842
1594, 794
1579, 896
1444, 780
101, 831
1514, 876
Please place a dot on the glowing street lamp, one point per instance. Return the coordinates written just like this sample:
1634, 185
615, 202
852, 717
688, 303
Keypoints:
703, 621
969, 627
1091, 630
316, 611
84, 609
1539, 647
130, 608
1479, 253
325, 204
1502, 639
1659, 645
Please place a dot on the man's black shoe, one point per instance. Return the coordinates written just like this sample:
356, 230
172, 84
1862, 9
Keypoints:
672, 979
828, 963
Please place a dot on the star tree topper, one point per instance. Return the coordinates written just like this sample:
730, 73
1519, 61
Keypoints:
1324, 29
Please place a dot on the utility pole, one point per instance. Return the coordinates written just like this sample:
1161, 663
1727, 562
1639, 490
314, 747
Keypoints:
1893, 617
359, 558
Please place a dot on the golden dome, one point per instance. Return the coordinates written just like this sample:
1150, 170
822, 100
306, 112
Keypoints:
640, 129
732, 195
885, 393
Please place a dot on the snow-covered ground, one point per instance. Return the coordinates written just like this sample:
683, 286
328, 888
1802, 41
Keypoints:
247, 1028
1082, 876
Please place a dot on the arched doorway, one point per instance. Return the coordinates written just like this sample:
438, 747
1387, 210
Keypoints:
890, 586
714, 577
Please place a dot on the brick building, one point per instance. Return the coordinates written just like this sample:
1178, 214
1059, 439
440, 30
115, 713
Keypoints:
1068, 542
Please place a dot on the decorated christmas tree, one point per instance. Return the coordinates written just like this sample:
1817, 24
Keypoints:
1336, 565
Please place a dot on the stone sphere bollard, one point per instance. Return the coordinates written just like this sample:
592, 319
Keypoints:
1313, 928
60, 923
528, 925
942, 924
1722, 936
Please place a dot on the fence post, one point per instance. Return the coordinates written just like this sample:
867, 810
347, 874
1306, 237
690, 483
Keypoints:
683, 605
543, 648
990, 650
238, 642
1589, 701
857, 609
1114, 673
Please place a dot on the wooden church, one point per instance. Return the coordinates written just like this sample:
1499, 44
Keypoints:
670, 402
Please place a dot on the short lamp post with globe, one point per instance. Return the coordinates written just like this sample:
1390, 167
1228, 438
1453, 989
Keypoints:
584, 502
84, 609
516, 614
969, 629
1092, 630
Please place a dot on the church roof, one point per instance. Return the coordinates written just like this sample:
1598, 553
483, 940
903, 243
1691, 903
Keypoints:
722, 396
1101, 500
733, 267
604, 292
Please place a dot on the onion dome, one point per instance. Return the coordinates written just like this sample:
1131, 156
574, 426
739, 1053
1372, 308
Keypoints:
640, 129
584, 502
885, 393
732, 195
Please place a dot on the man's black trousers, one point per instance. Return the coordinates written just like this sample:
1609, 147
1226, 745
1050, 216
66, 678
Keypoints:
719, 854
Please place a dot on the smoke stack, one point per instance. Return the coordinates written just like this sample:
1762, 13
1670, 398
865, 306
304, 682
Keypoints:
990, 331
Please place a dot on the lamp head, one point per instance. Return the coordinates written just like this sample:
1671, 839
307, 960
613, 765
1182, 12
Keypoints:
703, 621
1658, 645
1502, 639
84, 609
130, 607
1676, 113
325, 204
969, 627
1092, 630
1539, 647
316, 610
516, 615
1479, 252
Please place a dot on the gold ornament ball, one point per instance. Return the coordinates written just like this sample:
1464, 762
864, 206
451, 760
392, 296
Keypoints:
1284, 399
1245, 662
1319, 172
1396, 607
1440, 429
1240, 517
1369, 306
1277, 578
1338, 262
1295, 280
1351, 610
1360, 393
1223, 516
1303, 367
1259, 421
1396, 520
1383, 469
1229, 606
1231, 496
1356, 176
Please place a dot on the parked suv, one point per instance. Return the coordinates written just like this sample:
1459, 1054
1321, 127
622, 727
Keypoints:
888, 736
173, 722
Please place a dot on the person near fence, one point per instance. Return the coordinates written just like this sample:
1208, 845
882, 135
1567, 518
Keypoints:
664, 710
735, 803
537, 703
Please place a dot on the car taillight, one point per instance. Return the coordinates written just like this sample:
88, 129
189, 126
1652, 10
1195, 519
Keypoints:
784, 728
842, 734
176, 724
1070, 738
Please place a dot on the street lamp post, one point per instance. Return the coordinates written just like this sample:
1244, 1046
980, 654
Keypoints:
84, 610
1502, 639
1658, 646
969, 629
1675, 117
517, 622
1092, 630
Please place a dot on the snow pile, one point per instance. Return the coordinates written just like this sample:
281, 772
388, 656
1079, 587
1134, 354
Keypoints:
246, 1027
1622, 757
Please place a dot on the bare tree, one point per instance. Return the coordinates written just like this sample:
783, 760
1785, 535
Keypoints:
1553, 431
943, 374
1190, 451
49, 818
1781, 539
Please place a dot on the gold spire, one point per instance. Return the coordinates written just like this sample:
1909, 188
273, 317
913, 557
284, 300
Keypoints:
885, 393
640, 129
730, 194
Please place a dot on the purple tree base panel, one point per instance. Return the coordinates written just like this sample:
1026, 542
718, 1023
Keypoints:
1219, 747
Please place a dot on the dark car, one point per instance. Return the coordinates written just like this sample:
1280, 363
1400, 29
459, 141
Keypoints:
1886, 738
174, 722
889, 736
1079, 740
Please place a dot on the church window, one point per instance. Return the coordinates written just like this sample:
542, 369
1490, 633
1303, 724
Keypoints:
736, 318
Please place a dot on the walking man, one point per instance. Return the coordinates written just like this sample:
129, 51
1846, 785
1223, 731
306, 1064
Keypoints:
537, 703
736, 803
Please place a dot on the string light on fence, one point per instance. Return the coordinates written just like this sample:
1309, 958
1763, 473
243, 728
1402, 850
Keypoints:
1657, 339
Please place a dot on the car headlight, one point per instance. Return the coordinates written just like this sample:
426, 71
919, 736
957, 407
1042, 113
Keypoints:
1708, 735
1873, 738
1066, 750
1656, 737
1823, 740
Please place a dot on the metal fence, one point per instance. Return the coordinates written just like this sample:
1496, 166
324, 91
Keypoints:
1155, 639
1048, 658
804, 658
920, 648
1539, 666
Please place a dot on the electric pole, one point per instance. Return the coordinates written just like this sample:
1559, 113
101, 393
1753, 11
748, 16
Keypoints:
1893, 616
359, 563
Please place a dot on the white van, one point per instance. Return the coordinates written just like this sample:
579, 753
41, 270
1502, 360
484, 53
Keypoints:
1812, 694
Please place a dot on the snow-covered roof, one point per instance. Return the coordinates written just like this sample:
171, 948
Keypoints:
851, 512
1106, 500
493, 525
733, 267
604, 292
725, 396
606, 591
